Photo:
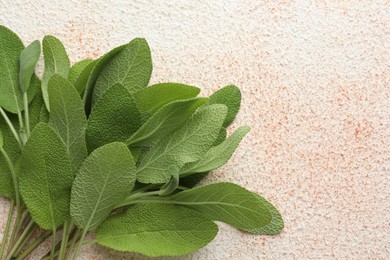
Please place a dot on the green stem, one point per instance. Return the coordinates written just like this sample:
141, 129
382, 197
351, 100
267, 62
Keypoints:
64, 241
25, 239
11, 127
34, 245
8, 225
17, 244
26, 113
13, 174
72, 243
53, 243
129, 200
78, 248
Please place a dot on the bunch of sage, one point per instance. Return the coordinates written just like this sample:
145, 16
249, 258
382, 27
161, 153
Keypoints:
92, 147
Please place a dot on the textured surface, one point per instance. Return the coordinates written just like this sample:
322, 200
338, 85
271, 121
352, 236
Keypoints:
315, 80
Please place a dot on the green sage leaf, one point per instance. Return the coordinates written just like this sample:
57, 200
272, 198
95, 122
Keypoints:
165, 120
46, 178
11, 97
88, 77
132, 68
28, 60
230, 96
115, 117
76, 70
105, 179
228, 203
152, 98
186, 144
217, 155
173, 183
56, 62
67, 117
157, 230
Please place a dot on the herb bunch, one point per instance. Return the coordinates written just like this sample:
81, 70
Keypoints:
91, 148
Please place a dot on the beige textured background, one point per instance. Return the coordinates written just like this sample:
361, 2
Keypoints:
315, 80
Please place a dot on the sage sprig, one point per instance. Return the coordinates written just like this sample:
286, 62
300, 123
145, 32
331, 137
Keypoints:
92, 147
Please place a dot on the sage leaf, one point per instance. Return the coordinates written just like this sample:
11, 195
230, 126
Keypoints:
221, 136
28, 60
11, 97
76, 69
230, 96
12, 148
217, 155
228, 203
67, 117
157, 230
56, 62
114, 118
91, 73
186, 144
35, 108
173, 183
1, 140
46, 178
80, 82
276, 224
152, 98
165, 120
132, 68
105, 179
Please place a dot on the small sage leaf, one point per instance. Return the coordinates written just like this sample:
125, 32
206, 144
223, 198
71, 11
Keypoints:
28, 60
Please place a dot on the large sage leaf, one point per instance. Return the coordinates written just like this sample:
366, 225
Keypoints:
165, 120
105, 179
81, 79
152, 98
229, 203
56, 62
115, 117
186, 144
11, 97
46, 178
67, 117
230, 96
217, 155
157, 230
132, 68
28, 60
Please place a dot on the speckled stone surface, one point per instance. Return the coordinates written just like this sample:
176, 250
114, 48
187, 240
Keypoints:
315, 81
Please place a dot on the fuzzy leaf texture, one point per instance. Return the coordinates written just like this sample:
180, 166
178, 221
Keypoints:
186, 144
132, 68
46, 178
90, 74
11, 97
217, 155
165, 120
56, 62
228, 203
28, 60
76, 70
152, 98
115, 117
105, 179
229, 96
67, 117
157, 230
